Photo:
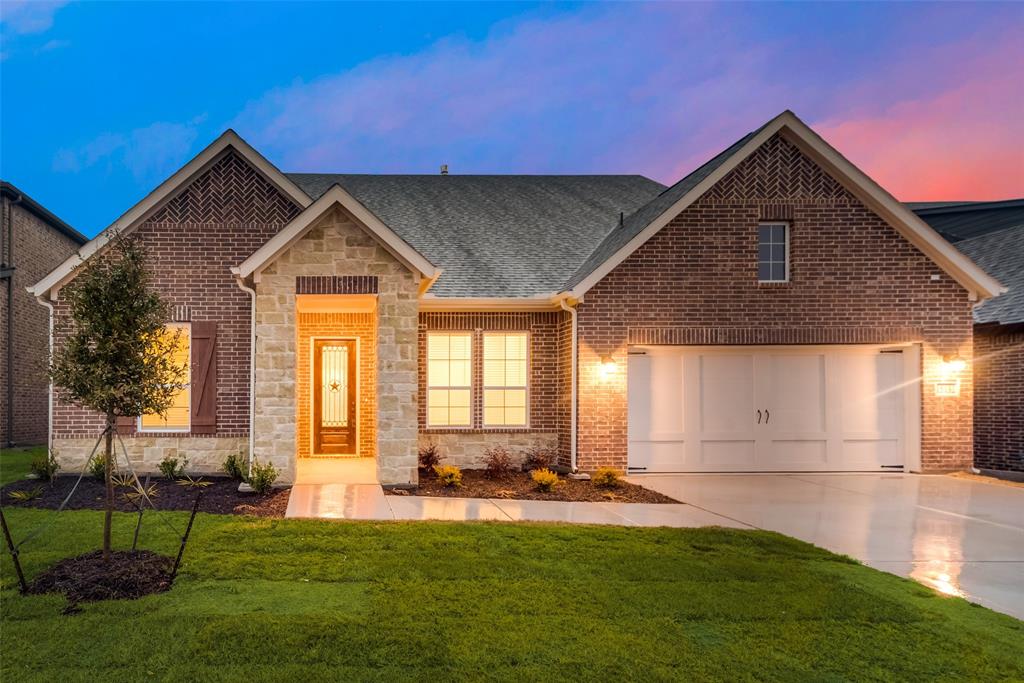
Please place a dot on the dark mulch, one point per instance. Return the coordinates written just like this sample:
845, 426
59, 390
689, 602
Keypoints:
220, 497
519, 485
129, 574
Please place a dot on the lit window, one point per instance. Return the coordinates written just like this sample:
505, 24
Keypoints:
177, 417
505, 369
773, 252
449, 379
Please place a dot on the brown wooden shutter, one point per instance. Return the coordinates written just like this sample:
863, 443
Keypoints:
126, 425
204, 377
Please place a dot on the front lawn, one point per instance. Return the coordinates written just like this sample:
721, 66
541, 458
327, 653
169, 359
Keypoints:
15, 462
278, 600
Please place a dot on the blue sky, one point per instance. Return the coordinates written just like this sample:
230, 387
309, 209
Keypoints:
99, 102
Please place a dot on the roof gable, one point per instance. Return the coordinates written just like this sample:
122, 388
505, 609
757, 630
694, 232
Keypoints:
650, 219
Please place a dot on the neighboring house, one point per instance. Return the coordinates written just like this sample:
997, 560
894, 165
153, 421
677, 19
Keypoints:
774, 310
992, 234
32, 243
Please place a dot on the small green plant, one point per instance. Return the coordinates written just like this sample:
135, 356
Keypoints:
173, 468
538, 459
44, 466
234, 466
497, 461
26, 495
262, 477
190, 483
545, 479
430, 457
137, 491
606, 477
450, 476
97, 467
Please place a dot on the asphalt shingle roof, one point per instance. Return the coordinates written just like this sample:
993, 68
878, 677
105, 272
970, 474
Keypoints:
964, 220
1001, 254
496, 235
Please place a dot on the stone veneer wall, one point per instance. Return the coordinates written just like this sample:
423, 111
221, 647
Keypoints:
466, 449
205, 454
336, 245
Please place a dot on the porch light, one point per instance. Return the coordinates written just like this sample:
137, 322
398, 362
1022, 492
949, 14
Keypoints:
953, 364
607, 368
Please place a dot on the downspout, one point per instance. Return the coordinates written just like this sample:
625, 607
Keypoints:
49, 393
252, 368
9, 268
572, 406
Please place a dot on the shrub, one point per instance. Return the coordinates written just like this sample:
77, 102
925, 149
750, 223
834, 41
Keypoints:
606, 477
545, 479
26, 495
172, 468
234, 466
97, 467
538, 459
497, 461
262, 477
450, 476
430, 457
44, 466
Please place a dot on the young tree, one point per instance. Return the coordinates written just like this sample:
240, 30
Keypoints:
117, 356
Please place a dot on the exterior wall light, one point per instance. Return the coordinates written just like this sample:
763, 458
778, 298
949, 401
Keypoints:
953, 364
607, 368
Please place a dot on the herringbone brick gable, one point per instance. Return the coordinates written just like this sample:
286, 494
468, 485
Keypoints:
778, 171
231, 192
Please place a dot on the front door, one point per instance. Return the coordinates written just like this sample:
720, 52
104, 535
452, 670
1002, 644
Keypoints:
334, 397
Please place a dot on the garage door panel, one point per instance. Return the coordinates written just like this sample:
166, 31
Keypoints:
660, 413
870, 392
727, 454
726, 392
795, 452
657, 456
793, 392
870, 454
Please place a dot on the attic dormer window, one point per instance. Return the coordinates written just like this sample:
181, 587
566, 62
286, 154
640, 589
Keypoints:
773, 252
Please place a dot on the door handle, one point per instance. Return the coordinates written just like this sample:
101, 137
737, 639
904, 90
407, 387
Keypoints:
759, 417
767, 416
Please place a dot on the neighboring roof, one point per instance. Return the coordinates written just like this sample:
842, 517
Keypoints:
496, 235
42, 212
963, 220
336, 195
1001, 253
650, 219
163, 193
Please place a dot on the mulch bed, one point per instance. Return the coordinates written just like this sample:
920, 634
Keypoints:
129, 574
220, 497
519, 485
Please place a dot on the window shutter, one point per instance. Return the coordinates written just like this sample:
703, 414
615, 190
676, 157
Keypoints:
204, 377
126, 425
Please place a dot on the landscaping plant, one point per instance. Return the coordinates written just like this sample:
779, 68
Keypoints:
44, 466
497, 461
450, 476
606, 477
26, 496
117, 357
234, 466
430, 457
545, 479
173, 468
262, 477
98, 467
538, 459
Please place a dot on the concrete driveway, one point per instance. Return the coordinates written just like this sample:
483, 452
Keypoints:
959, 536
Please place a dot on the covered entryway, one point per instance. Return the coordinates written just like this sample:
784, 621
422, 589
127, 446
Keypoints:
335, 384
773, 409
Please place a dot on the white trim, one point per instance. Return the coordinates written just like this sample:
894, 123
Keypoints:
139, 429
573, 371
49, 387
163, 193
294, 231
540, 302
312, 388
909, 225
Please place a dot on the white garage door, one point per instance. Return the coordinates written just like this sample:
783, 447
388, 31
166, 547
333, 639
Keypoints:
771, 409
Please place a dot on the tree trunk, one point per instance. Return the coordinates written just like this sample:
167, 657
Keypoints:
108, 476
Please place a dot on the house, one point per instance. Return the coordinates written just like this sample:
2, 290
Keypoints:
774, 310
33, 242
992, 234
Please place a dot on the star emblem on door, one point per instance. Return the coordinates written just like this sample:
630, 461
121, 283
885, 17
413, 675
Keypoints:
334, 386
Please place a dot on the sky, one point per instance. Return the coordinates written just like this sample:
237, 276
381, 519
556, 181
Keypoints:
100, 102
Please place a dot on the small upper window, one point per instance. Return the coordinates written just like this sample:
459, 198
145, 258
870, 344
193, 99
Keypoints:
773, 252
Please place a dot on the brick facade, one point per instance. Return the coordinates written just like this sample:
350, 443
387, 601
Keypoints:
853, 279
38, 248
217, 221
999, 398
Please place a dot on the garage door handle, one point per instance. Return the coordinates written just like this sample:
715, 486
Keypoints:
767, 416
759, 417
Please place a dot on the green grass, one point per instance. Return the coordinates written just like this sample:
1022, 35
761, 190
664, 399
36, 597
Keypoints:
14, 462
306, 600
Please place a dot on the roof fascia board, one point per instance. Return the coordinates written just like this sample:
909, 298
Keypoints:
545, 302
294, 231
163, 193
911, 226
661, 221
914, 229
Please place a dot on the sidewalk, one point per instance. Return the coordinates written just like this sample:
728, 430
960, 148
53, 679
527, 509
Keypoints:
369, 502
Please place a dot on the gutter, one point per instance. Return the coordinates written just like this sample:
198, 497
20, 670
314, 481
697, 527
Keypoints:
8, 268
563, 304
49, 393
252, 366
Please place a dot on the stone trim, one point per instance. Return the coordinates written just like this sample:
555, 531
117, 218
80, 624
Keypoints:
336, 284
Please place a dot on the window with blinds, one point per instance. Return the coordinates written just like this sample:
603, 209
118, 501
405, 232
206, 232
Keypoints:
505, 379
177, 418
449, 379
